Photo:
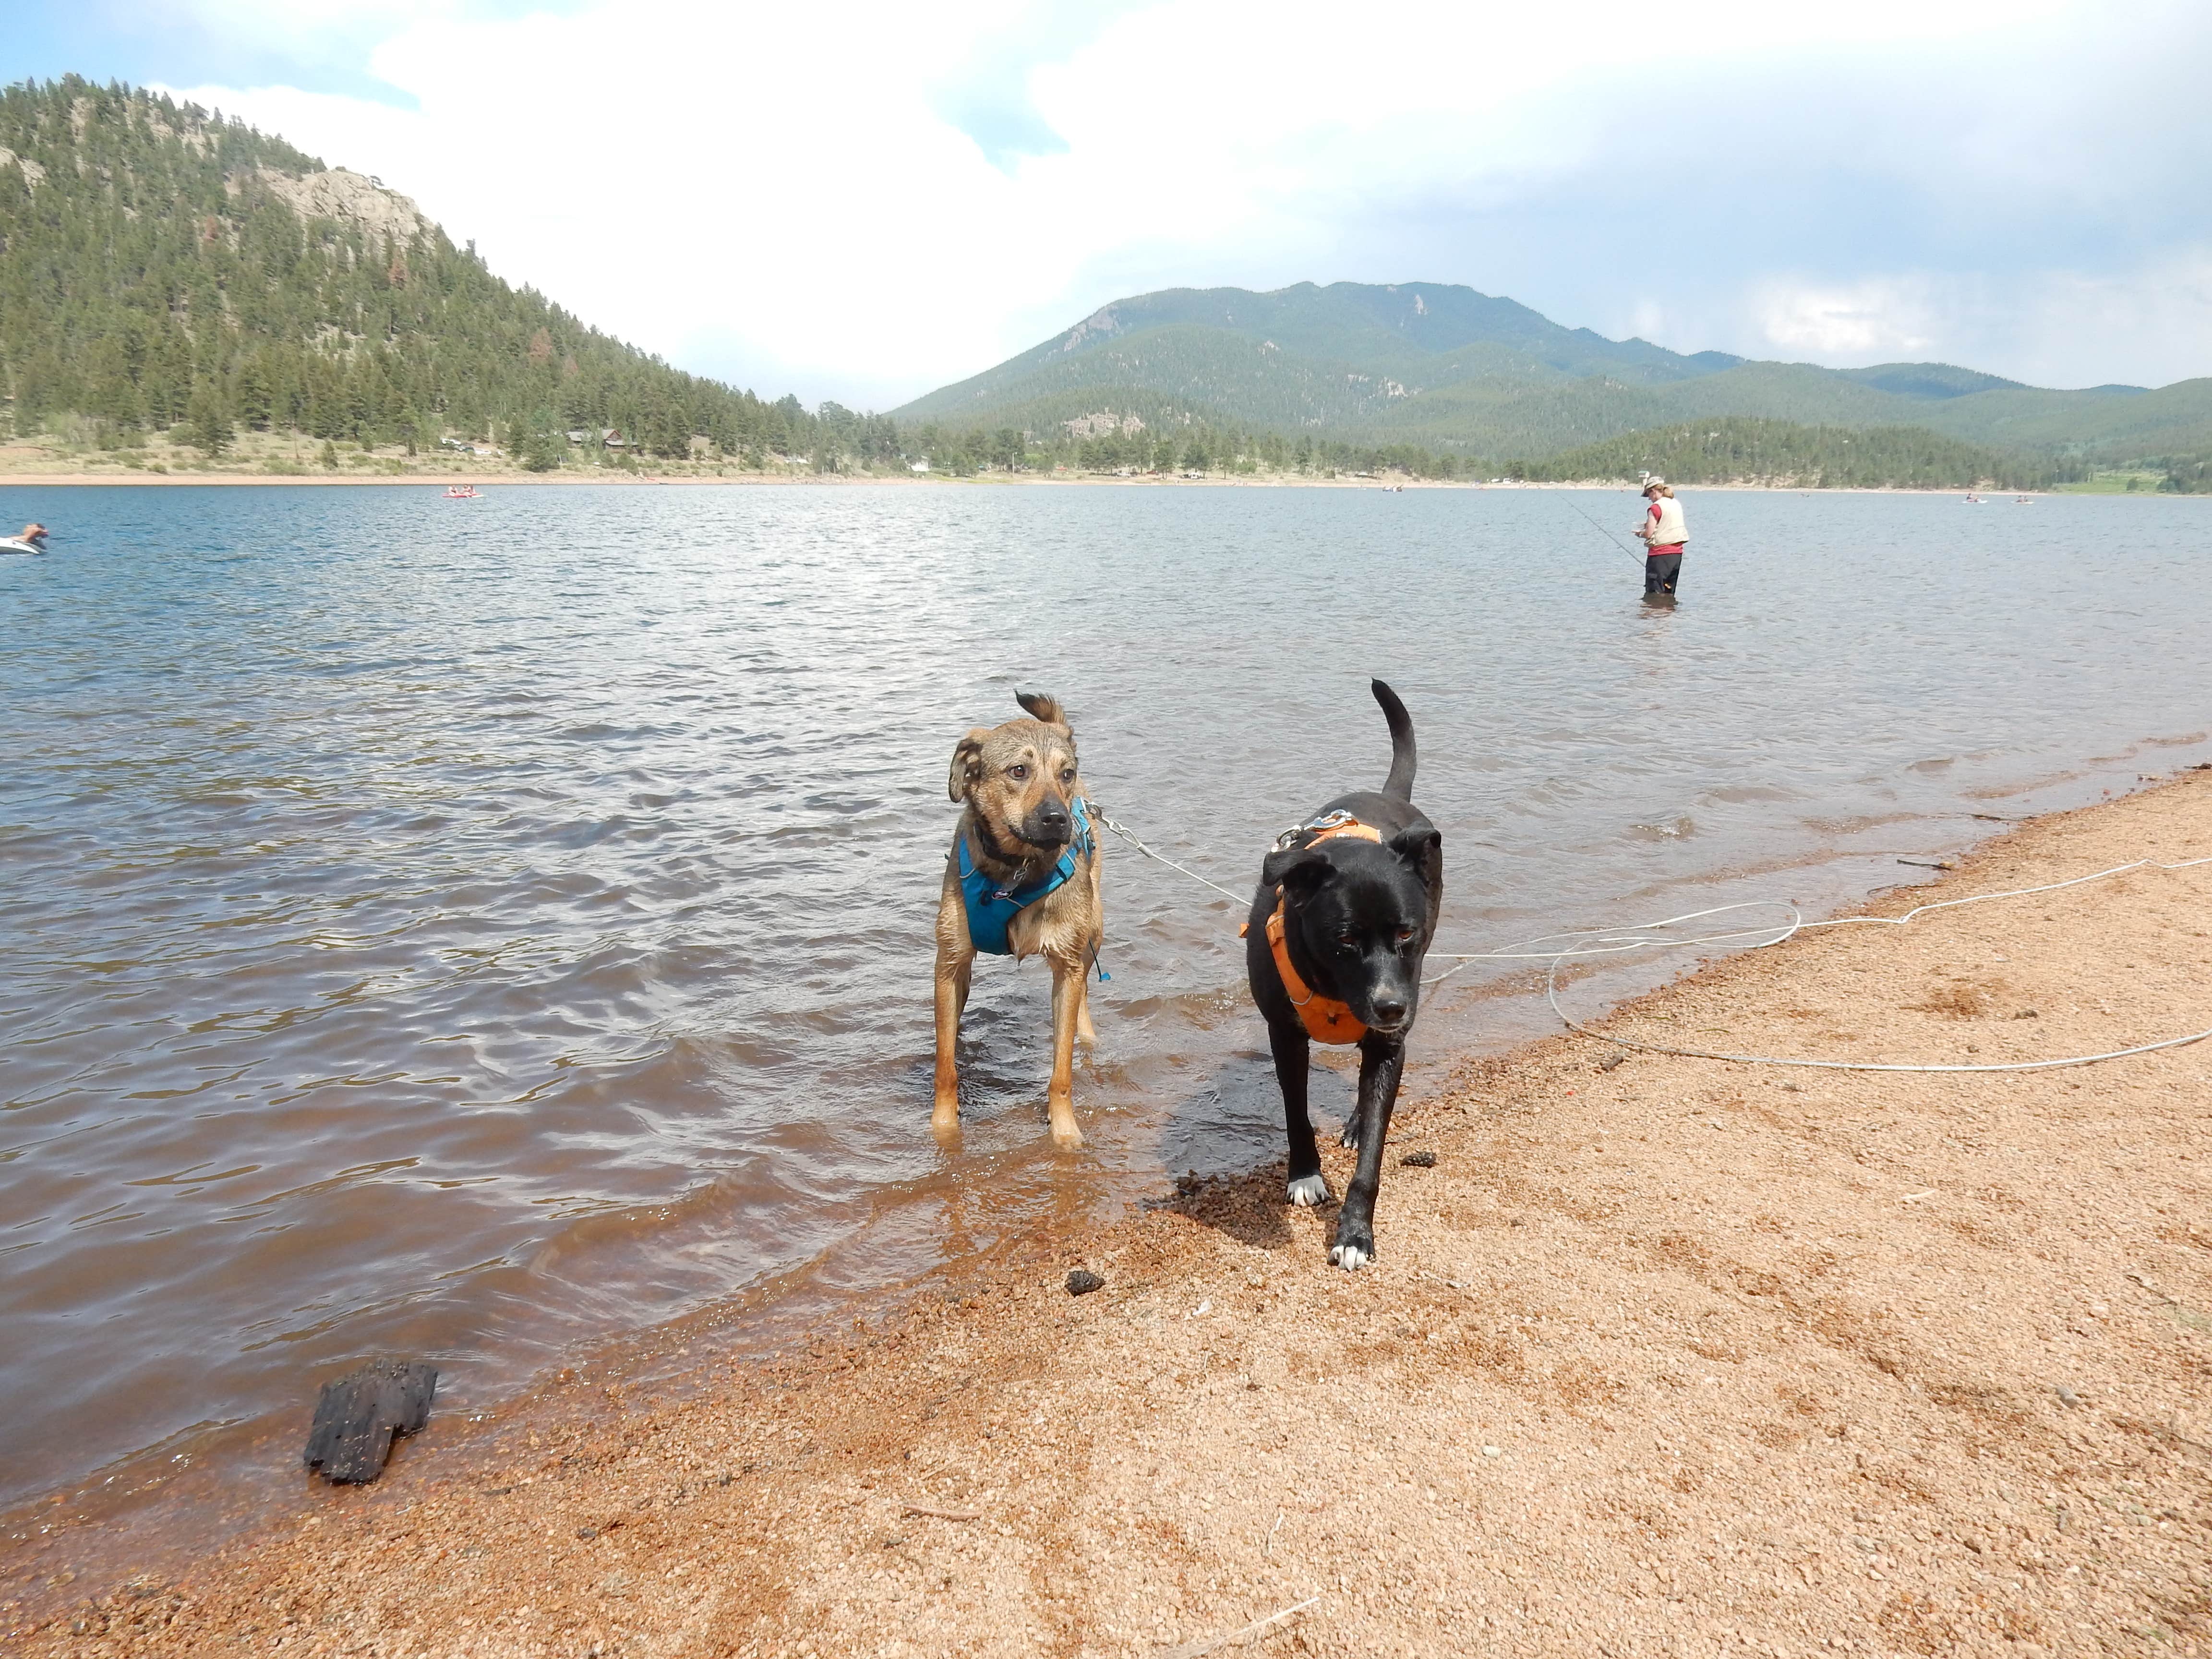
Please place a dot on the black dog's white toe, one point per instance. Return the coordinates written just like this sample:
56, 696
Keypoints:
1355, 1245
1309, 1191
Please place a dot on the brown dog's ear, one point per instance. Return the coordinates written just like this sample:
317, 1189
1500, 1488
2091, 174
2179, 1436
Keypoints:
967, 761
1042, 706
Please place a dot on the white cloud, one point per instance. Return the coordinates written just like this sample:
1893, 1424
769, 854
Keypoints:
1862, 323
2142, 324
782, 195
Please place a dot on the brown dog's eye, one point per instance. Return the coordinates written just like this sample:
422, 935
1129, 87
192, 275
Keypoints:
1018, 772
1067, 775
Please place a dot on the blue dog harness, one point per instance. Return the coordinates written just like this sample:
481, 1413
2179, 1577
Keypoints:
992, 908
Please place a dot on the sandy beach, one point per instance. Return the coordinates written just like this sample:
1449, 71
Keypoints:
1663, 1355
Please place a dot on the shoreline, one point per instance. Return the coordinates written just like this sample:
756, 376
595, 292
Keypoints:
845, 480
573, 478
1660, 1349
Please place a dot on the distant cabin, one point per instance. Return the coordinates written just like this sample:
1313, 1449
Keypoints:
918, 466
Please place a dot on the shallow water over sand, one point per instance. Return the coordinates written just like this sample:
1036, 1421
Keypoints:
472, 929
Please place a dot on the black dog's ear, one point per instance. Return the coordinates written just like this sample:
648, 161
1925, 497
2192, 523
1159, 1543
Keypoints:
967, 761
1301, 868
1416, 842
1042, 706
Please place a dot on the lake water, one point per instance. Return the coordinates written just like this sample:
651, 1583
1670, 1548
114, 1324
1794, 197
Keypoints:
473, 929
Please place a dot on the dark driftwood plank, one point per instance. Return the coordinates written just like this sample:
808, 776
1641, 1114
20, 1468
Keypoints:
359, 1414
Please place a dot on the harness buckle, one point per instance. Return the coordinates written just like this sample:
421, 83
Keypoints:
1320, 826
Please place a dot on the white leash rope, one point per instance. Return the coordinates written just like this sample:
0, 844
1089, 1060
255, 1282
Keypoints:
1130, 836
1651, 935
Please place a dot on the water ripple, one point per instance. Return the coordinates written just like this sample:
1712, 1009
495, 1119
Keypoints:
477, 930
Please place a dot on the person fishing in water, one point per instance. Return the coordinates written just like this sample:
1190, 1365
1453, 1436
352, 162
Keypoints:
1665, 535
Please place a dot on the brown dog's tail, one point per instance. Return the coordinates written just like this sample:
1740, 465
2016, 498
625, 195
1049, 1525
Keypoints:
1400, 783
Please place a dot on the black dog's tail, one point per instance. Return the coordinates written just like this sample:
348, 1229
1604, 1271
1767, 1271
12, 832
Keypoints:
1400, 783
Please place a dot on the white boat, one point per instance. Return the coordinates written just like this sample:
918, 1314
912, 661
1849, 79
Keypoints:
17, 545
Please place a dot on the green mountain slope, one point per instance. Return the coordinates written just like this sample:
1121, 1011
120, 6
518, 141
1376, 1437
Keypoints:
1338, 357
1934, 380
161, 265
2106, 422
1443, 367
1733, 450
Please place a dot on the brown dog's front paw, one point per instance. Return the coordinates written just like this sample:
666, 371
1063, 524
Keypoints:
945, 1121
1065, 1134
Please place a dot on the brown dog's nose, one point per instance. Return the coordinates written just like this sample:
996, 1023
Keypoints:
1052, 817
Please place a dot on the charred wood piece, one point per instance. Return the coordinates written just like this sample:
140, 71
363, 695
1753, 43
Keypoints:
359, 1415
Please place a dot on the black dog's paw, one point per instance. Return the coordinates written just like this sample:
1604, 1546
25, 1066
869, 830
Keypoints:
1355, 1244
1351, 1135
1308, 1192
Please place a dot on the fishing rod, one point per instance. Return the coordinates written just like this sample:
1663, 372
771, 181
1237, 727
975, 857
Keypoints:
1609, 536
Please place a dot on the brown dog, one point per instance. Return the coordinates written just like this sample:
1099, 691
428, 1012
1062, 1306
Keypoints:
1022, 880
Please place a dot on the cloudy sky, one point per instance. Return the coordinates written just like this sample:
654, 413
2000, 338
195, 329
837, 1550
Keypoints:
864, 200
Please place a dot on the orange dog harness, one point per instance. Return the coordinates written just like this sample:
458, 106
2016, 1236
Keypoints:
1326, 1020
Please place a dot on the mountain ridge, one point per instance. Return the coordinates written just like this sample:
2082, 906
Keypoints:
1483, 375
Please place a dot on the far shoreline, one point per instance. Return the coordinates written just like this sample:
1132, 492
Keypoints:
794, 481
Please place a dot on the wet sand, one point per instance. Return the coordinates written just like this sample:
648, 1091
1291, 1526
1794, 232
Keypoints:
1661, 1356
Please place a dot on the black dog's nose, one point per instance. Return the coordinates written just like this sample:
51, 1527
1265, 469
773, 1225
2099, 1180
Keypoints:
1389, 1011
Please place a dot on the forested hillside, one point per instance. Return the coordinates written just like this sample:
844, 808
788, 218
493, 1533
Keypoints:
160, 265
174, 286
1442, 367
1783, 452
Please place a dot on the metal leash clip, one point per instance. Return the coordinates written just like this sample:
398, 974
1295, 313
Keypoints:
1326, 822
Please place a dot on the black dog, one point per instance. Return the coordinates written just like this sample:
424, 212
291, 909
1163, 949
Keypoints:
1346, 907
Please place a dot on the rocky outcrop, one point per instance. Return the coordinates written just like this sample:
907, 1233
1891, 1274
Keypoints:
34, 175
338, 194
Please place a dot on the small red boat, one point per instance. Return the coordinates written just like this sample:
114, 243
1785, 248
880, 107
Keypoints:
462, 492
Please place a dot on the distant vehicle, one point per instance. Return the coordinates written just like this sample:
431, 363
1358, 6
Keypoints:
462, 493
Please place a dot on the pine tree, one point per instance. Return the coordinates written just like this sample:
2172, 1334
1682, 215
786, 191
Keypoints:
208, 418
